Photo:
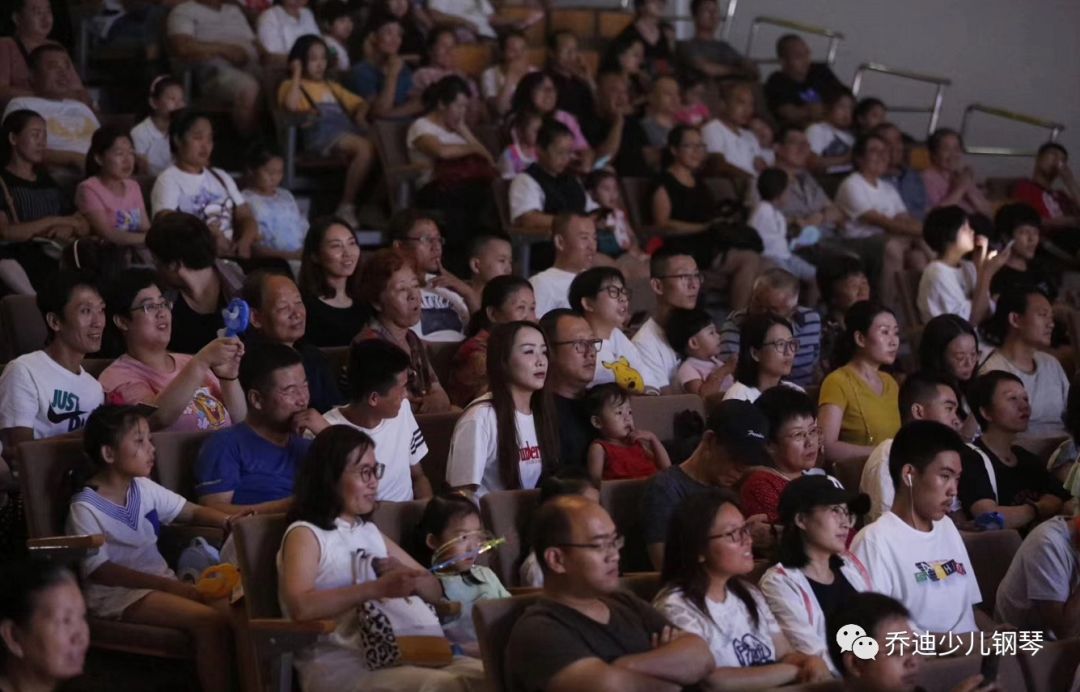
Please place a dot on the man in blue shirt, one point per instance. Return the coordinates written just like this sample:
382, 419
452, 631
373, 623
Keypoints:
251, 465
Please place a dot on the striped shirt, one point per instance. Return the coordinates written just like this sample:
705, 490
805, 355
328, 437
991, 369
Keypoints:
807, 326
33, 199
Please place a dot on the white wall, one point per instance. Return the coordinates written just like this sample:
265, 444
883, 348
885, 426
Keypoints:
1023, 55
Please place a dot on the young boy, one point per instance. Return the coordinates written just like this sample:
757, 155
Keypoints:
377, 372
1018, 225
772, 226
490, 255
831, 139
693, 335
337, 26
729, 135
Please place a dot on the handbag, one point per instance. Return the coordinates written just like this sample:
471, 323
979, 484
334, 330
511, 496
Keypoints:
451, 174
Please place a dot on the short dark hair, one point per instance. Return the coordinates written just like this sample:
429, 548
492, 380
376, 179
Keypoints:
302, 46
1014, 299
785, 42
771, 183
752, 334
261, 360
550, 130
658, 263
867, 610
496, 292
935, 140
918, 443
938, 333
315, 490
865, 105
552, 526
105, 427
683, 324
121, 290
919, 388
54, 295
402, 222
782, 404
568, 480
835, 270
255, 285
505, 37
1050, 146
695, 5
182, 121
601, 395
260, 153
941, 227
587, 285
1012, 216
330, 11
101, 141
480, 241
785, 130
549, 322
858, 150
373, 366
181, 238
13, 124
39, 53
982, 389
442, 509
22, 582
444, 91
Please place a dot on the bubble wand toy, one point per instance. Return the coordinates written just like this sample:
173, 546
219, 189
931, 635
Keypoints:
441, 562
237, 317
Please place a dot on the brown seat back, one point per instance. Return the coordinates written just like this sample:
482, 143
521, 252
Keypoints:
437, 428
907, 291
473, 58
398, 520
95, 366
174, 467
644, 585
258, 539
849, 472
991, 553
1051, 669
23, 326
622, 500
506, 513
642, 298
494, 620
45, 480
440, 353
611, 23
638, 201
657, 413
945, 673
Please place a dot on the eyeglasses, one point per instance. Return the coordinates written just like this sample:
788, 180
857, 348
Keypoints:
427, 240
582, 346
841, 512
607, 545
154, 308
368, 472
615, 292
687, 279
735, 536
783, 346
803, 436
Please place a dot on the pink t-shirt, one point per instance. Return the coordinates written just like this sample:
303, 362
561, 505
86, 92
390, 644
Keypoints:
580, 143
125, 213
937, 187
128, 381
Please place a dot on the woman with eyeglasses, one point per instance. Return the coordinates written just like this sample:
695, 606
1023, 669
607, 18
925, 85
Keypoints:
706, 592
949, 348
794, 446
684, 207
507, 439
816, 574
858, 406
334, 563
189, 393
600, 296
767, 348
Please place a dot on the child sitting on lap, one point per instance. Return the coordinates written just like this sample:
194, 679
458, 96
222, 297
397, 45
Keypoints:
693, 335
620, 451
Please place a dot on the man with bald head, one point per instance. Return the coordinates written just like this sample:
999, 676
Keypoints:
278, 316
572, 348
584, 633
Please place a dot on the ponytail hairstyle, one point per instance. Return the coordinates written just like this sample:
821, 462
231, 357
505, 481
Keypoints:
496, 292
100, 143
858, 319
14, 124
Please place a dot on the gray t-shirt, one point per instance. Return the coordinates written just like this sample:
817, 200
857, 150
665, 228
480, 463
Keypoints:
804, 197
662, 495
1046, 568
714, 51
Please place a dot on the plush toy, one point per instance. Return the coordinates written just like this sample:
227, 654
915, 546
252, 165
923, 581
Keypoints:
218, 581
625, 375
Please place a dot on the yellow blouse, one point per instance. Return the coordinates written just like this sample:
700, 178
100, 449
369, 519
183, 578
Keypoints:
869, 418
320, 92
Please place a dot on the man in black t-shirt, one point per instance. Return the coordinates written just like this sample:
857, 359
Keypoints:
584, 632
1019, 224
794, 93
613, 130
572, 347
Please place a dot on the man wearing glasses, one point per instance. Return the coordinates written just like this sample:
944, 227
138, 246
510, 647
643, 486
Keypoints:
676, 281
777, 291
584, 633
572, 348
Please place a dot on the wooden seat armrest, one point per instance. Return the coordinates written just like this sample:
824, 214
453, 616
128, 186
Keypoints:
65, 548
523, 590
283, 626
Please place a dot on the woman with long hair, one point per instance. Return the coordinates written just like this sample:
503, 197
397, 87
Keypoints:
505, 298
949, 348
706, 592
767, 348
329, 279
537, 93
858, 404
335, 563
508, 439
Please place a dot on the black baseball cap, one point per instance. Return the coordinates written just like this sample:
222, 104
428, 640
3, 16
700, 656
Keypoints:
742, 429
815, 490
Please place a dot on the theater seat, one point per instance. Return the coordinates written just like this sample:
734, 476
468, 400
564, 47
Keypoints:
657, 413
23, 326
622, 500
507, 513
991, 553
644, 585
437, 428
398, 520
849, 472
944, 673
494, 620
1053, 668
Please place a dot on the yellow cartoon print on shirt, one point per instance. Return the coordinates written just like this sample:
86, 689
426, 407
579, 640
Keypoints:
625, 375
210, 412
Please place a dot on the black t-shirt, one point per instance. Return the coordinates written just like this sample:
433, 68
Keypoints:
782, 90
192, 330
33, 199
831, 596
659, 58
1028, 480
1007, 277
550, 636
688, 204
322, 380
574, 95
629, 160
575, 432
328, 326
663, 493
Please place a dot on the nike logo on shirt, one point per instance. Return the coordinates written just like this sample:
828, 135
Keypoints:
55, 416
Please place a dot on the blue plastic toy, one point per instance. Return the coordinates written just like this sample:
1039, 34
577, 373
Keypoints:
237, 317
990, 521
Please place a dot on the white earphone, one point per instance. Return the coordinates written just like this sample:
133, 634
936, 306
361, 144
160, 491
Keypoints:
907, 479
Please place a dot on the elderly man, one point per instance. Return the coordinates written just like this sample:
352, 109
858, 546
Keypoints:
278, 316
676, 281
572, 347
777, 291
584, 633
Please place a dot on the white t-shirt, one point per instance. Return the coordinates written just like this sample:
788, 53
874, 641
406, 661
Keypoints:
1047, 389
444, 316
731, 635
944, 289
278, 30
552, 289
739, 148
610, 369
1046, 568
476, 12
399, 445
70, 124
771, 225
928, 571
526, 195
339, 50
829, 141
423, 127
37, 392
226, 24
473, 450
857, 196
153, 145
877, 482
744, 392
131, 534
656, 353
202, 194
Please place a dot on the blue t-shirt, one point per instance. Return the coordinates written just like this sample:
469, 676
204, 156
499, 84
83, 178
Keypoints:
254, 469
366, 80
